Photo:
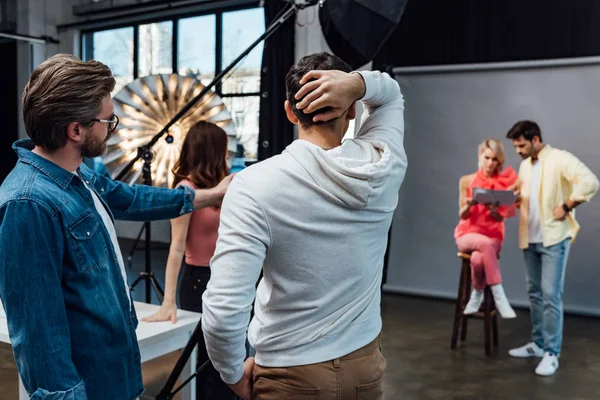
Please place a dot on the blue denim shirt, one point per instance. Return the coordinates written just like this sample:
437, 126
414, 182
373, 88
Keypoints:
69, 317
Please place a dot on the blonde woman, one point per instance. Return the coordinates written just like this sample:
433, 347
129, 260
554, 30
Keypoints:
481, 227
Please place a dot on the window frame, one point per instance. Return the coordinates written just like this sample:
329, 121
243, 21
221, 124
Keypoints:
87, 43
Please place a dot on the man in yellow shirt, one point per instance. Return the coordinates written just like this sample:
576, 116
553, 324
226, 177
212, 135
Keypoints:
553, 183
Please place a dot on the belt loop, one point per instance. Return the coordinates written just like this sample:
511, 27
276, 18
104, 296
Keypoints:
336, 363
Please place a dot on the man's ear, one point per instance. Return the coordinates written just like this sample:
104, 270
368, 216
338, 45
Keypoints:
290, 113
351, 114
74, 131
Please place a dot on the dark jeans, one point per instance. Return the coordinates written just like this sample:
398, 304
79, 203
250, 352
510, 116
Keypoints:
209, 385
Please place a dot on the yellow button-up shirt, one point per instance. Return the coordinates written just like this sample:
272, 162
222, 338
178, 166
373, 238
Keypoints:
563, 177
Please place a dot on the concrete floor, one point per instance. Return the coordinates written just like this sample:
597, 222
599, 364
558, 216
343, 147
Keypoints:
421, 366
416, 336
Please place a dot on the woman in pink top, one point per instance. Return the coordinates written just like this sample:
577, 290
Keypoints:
481, 227
201, 165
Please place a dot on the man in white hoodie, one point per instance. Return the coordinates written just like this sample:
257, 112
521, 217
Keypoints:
314, 219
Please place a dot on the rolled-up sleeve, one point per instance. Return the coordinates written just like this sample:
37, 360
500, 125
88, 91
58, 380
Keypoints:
584, 182
76, 393
32, 246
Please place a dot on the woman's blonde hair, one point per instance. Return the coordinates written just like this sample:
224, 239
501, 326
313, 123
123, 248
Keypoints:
496, 147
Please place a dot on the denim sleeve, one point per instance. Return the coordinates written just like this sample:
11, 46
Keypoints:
145, 203
32, 247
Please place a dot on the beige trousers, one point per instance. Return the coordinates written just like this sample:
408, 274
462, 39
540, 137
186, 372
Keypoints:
358, 375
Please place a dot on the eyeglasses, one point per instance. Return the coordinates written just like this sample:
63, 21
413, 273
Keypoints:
112, 123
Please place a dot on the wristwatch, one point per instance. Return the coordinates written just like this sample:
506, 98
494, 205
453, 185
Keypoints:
566, 208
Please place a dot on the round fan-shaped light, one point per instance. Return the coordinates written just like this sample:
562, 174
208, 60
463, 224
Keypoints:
144, 107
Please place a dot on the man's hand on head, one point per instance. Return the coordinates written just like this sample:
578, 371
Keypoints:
336, 90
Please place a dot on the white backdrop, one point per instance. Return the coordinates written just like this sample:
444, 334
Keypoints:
448, 112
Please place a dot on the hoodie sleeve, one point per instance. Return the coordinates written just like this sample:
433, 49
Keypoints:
244, 237
383, 119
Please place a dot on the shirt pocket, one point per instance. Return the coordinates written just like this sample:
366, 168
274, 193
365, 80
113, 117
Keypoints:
89, 243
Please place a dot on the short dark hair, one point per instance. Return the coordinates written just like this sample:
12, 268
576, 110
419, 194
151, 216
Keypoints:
525, 128
317, 61
62, 90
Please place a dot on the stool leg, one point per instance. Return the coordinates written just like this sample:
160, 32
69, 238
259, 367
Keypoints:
495, 330
464, 327
458, 316
466, 295
487, 319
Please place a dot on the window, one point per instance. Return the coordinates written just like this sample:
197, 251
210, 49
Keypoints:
200, 46
241, 88
196, 47
156, 49
115, 49
244, 112
240, 29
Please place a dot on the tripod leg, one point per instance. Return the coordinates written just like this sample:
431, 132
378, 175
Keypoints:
195, 339
148, 268
132, 286
134, 247
160, 294
189, 391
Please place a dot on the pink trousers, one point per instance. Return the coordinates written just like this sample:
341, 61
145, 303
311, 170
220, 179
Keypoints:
484, 258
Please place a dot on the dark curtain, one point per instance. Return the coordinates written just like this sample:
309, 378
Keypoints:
439, 32
275, 131
10, 107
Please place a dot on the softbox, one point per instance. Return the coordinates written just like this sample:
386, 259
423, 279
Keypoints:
355, 30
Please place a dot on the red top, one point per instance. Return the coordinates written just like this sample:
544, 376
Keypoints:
480, 219
201, 239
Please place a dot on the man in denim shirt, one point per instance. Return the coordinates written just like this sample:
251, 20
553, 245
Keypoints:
70, 316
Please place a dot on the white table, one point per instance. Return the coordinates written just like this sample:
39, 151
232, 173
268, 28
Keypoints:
155, 339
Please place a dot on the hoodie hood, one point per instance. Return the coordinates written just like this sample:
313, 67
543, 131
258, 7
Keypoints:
355, 173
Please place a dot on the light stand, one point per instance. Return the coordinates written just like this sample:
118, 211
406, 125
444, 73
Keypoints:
147, 275
167, 392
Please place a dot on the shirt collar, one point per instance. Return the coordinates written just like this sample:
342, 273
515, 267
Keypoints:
543, 153
61, 176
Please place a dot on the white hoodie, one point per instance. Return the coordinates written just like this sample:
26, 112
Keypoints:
316, 223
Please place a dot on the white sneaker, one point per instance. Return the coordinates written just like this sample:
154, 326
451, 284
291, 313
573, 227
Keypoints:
502, 304
548, 365
474, 302
529, 350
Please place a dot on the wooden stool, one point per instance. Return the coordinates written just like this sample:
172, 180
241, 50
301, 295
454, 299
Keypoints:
487, 312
